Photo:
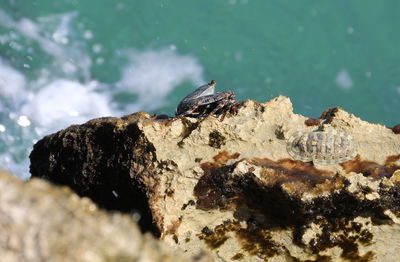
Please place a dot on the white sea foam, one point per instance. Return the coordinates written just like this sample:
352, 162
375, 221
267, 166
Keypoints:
12, 86
64, 102
11, 132
343, 79
69, 58
30, 30
51, 101
153, 74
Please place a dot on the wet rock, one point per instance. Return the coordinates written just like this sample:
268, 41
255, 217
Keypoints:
232, 188
42, 222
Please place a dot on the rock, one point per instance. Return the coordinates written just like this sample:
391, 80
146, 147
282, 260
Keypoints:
231, 187
41, 222
396, 129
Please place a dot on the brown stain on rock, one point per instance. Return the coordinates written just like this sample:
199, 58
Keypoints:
396, 129
372, 169
280, 185
238, 256
280, 133
220, 159
208, 190
346, 235
275, 194
312, 121
253, 240
258, 242
216, 139
214, 238
169, 192
297, 176
223, 157
189, 203
216, 189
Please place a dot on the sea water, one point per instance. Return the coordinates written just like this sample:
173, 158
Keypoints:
65, 62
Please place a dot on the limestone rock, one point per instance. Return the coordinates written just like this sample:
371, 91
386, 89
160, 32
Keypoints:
41, 222
232, 188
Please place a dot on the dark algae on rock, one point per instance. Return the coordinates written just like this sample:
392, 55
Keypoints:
346, 235
103, 160
254, 241
274, 201
373, 169
216, 139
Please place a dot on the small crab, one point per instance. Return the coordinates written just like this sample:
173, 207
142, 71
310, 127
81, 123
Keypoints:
202, 100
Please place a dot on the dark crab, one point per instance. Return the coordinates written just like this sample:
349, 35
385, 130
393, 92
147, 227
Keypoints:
203, 101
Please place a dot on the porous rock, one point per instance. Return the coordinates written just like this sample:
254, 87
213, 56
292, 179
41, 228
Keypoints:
230, 186
42, 222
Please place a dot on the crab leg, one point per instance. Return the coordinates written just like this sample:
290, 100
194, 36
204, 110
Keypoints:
226, 99
194, 107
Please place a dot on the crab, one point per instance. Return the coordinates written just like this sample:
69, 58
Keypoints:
202, 100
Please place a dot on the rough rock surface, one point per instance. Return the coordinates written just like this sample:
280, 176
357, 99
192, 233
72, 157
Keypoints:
41, 222
231, 187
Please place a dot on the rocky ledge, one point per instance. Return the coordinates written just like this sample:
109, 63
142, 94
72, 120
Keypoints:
43, 222
230, 186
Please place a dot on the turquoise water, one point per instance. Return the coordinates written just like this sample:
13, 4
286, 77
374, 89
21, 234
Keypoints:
63, 62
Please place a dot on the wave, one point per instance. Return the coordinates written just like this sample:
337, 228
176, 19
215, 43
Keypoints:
63, 91
153, 74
